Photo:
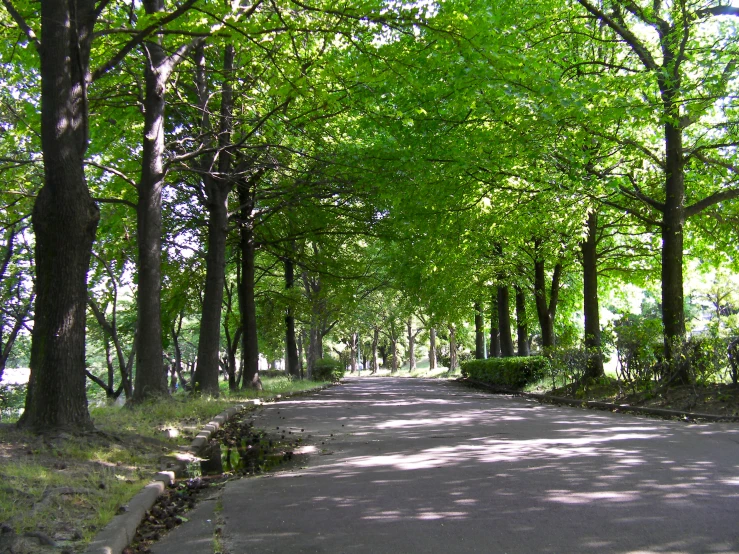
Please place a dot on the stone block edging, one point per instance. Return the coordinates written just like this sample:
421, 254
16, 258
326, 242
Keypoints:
119, 533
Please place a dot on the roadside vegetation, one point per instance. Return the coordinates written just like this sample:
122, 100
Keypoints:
63, 488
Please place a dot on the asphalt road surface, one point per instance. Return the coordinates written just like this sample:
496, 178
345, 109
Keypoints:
406, 465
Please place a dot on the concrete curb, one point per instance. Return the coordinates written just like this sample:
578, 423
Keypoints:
592, 404
119, 533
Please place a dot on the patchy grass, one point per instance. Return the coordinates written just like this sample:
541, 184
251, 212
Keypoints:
62, 489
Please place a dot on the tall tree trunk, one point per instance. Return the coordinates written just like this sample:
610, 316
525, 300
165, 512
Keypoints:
432, 348
546, 311
353, 352
375, 342
504, 322
494, 330
453, 360
217, 189
291, 347
247, 304
522, 327
411, 346
65, 219
673, 315
394, 350
589, 247
300, 354
479, 333
150, 373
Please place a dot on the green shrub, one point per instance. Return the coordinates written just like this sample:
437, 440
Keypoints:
328, 369
507, 372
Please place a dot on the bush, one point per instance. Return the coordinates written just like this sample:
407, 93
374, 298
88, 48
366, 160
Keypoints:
12, 401
507, 372
328, 369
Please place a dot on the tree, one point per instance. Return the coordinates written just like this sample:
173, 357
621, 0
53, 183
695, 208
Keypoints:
685, 72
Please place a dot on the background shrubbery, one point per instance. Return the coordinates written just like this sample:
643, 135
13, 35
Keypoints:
328, 369
507, 372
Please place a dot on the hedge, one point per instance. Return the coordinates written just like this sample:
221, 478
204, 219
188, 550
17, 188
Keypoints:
507, 372
328, 369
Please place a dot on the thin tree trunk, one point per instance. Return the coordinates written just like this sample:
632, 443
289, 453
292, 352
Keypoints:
353, 352
375, 342
504, 322
64, 221
292, 360
432, 348
494, 330
250, 345
453, 363
411, 346
522, 327
479, 333
589, 247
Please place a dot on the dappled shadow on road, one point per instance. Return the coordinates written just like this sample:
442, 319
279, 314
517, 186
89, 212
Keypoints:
539, 478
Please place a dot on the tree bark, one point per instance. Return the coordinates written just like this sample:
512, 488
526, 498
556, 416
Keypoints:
247, 304
494, 330
64, 220
673, 314
432, 348
151, 379
522, 327
291, 347
375, 342
504, 322
546, 311
453, 360
353, 352
217, 188
479, 333
591, 309
411, 346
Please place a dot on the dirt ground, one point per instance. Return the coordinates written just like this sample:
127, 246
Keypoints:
713, 399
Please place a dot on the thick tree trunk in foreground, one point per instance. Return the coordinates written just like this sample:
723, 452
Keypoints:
504, 322
217, 189
591, 310
432, 348
494, 331
479, 333
151, 379
522, 327
673, 311
65, 219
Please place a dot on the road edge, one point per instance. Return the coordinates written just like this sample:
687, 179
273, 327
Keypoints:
120, 531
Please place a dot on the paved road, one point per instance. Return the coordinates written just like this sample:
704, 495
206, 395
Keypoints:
431, 466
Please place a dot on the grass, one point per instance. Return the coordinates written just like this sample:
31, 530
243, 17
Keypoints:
68, 487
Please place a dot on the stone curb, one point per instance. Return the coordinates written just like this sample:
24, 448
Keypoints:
611, 407
119, 533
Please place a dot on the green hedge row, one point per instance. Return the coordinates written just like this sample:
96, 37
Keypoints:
328, 369
507, 372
